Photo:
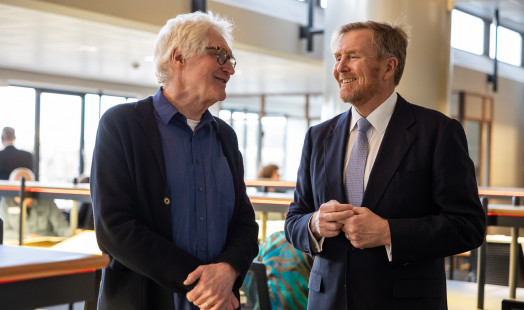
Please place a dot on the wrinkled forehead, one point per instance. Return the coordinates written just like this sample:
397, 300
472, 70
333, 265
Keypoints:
216, 39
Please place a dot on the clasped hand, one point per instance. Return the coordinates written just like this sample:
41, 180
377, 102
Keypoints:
214, 289
362, 227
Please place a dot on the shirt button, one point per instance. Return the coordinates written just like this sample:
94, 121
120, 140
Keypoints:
200, 188
196, 161
201, 218
167, 201
202, 249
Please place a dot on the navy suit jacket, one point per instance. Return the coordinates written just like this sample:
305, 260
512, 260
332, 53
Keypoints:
423, 182
133, 214
12, 158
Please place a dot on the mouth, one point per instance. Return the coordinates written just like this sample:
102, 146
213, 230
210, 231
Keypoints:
221, 80
347, 81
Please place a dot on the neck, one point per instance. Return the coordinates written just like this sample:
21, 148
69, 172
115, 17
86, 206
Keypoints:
186, 104
372, 104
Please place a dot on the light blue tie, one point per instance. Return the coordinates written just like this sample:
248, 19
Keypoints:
354, 176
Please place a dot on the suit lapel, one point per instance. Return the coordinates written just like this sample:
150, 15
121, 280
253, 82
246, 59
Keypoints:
334, 153
149, 128
397, 140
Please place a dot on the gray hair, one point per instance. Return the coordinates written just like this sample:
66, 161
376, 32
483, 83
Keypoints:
187, 33
8, 134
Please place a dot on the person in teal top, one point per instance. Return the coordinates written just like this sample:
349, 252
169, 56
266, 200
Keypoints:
287, 274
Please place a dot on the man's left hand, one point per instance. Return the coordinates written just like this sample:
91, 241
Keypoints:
365, 229
214, 287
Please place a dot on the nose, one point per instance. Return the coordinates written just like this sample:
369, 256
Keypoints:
341, 66
228, 67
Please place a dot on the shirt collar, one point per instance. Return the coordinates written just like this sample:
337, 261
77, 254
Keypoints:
163, 107
380, 117
166, 111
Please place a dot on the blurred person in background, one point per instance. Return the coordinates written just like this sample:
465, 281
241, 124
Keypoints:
167, 182
287, 272
269, 172
43, 218
11, 157
85, 210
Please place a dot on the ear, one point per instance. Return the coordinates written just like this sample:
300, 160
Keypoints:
391, 66
176, 58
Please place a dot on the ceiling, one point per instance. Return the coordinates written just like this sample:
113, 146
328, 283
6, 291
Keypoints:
511, 12
47, 43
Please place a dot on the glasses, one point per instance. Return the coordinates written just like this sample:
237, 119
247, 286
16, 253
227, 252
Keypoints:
222, 56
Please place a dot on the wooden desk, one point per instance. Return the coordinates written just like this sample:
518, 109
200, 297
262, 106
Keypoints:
35, 277
274, 184
78, 192
269, 202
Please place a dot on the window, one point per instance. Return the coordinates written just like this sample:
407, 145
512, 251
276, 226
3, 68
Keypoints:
109, 101
60, 125
274, 140
246, 128
467, 32
17, 110
509, 45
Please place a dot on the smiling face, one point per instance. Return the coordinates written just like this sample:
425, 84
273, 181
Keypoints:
361, 76
202, 77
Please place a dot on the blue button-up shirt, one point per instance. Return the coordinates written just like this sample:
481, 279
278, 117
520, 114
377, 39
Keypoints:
200, 184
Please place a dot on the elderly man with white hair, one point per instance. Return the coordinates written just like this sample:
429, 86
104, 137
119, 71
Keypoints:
167, 185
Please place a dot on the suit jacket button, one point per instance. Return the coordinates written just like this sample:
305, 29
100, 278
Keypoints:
167, 201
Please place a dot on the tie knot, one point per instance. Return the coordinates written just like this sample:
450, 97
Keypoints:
363, 124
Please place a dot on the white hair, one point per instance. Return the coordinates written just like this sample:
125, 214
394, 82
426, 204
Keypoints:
187, 33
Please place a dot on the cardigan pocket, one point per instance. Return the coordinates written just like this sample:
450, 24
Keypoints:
315, 281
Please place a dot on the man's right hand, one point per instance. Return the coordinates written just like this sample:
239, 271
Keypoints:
325, 221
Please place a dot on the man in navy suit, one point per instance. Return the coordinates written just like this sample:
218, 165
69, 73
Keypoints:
167, 182
420, 199
11, 157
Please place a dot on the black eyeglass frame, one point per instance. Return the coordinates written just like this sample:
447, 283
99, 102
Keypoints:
222, 56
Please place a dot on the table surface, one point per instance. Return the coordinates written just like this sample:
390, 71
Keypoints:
505, 210
21, 263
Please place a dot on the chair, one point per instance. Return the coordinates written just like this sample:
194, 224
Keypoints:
511, 304
497, 264
257, 273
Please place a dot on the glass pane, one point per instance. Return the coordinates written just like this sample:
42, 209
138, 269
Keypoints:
467, 32
251, 168
473, 133
110, 101
246, 128
509, 45
59, 137
91, 124
225, 115
296, 131
17, 110
273, 141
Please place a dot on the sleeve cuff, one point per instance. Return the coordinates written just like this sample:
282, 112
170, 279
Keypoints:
316, 245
